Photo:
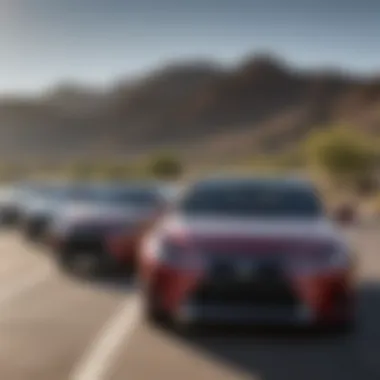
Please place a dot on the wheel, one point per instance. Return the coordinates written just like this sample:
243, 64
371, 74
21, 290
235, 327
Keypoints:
130, 269
158, 318
31, 234
153, 311
90, 264
78, 263
65, 261
119, 268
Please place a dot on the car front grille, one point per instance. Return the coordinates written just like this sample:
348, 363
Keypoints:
249, 282
85, 243
39, 223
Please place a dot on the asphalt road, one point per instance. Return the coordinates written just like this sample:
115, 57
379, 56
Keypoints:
53, 327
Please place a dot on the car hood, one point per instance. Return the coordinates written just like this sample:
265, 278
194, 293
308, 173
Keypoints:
43, 207
89, 213
223, 232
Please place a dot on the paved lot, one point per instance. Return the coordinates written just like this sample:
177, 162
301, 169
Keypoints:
53, 327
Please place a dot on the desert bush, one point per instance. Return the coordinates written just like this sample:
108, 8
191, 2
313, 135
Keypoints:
345, 157
165, 166
81, 171
112, 172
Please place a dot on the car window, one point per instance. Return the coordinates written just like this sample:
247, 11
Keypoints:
252, 200
140, 197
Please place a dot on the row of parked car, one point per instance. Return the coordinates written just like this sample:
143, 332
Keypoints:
91, 227
221, 250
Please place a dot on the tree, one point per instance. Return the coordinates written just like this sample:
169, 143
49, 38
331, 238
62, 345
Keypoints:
166, 166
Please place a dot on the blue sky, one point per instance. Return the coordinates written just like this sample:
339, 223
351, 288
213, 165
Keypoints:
43, 42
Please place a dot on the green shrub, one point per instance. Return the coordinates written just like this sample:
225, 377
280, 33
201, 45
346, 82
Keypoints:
346, 157
165, 166
82, 171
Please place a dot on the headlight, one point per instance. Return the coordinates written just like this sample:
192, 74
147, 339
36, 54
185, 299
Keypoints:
327, 257
118, 229
171, 253
333, 256
175, 254
337, 257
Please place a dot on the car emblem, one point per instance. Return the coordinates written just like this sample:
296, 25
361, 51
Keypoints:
245, 270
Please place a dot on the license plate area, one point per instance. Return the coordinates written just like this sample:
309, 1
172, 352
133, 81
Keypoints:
86, 243
247, 282
245, 293
267, 270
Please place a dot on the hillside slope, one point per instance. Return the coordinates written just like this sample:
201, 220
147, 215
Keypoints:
260, 105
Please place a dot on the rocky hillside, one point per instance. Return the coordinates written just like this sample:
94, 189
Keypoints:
202, 109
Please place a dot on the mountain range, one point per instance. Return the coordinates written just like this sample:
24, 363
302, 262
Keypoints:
203, 110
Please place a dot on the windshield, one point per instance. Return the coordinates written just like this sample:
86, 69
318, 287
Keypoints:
251, 200
55, 194
140, 197
48, 193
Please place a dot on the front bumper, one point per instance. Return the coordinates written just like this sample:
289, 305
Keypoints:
325, 299
80, 243
9, 215
264, 315
37, 227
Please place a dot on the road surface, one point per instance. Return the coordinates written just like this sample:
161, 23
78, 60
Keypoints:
54, 327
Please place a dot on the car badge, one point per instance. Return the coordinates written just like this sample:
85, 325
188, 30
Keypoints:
245, 270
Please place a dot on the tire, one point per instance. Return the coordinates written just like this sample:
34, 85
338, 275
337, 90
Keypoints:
65, 261
158, 318
130, 269
30, 234
98, 266
69, 263
118, 268
153, 312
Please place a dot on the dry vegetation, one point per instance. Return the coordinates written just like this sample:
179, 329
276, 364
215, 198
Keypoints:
208, 113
